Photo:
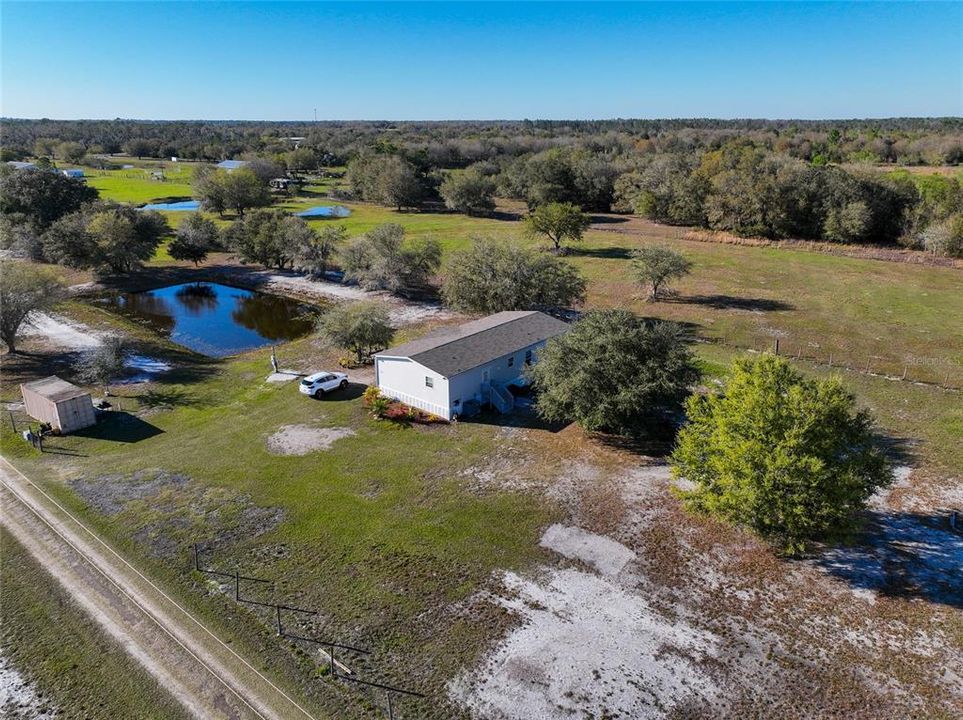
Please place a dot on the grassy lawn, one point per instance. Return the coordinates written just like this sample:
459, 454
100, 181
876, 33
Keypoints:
378, 532
135, 185
64, 653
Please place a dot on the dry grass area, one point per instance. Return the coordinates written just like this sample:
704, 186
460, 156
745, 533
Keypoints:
645, 611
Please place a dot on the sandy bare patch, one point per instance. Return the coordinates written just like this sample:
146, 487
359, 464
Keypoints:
62, 333
588, 648
402, 312
19, 697
604, 554
304, 439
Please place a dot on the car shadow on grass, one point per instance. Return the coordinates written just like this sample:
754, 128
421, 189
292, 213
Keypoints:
352, 392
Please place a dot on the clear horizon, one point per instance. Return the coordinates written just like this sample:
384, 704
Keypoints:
278, 62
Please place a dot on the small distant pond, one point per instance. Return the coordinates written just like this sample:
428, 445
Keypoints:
188, 205
216, 320
339, 211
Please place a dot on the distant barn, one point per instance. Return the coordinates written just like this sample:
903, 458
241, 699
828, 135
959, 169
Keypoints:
19, 165
64, 406
73, 173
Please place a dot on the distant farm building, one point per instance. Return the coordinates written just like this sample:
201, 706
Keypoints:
65, 407
18, 165
73, 173
282, 183
231, 165
452, 371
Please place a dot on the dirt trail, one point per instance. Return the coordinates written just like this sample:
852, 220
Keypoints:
209, 678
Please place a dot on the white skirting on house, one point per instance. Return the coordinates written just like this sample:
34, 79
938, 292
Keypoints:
413, 401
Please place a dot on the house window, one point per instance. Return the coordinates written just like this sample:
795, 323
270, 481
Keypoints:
429, 382
528, 357
511, 361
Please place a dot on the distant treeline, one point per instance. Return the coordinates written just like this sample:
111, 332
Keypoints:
777, 179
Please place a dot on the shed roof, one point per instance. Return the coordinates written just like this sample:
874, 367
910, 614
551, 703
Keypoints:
55, 389
231, 164
451, 351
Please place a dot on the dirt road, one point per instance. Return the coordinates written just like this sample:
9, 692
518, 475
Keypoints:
209, 678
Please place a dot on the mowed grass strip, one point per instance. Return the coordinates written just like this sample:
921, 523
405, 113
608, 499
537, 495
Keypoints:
56, 646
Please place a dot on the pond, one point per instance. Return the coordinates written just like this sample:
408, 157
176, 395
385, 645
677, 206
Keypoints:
188, 205
216, 320
325, 211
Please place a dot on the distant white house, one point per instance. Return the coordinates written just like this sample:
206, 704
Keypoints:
73, 172
19, 165
231, 165
449, 371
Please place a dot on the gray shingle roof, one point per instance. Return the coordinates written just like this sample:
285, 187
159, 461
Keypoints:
451, 351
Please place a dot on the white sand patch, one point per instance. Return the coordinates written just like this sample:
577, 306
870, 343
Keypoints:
401, 312
605, 555
61, 332
304, 439
19, 698
588, 648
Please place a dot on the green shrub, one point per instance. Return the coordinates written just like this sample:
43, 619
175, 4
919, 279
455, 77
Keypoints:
792, 459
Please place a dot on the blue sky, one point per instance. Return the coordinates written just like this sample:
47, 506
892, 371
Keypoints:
280, 61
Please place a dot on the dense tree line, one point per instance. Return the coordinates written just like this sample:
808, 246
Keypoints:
776, 179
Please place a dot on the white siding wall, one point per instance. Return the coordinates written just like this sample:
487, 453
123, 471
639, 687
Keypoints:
404, 379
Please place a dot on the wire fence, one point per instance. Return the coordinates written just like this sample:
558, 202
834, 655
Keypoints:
940, 372
338, 669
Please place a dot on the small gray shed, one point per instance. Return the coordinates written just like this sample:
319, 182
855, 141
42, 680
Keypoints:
64, 406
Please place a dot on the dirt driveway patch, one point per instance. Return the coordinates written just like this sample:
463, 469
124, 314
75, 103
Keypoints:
304, 439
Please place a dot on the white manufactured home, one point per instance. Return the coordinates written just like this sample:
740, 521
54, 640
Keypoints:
473, 363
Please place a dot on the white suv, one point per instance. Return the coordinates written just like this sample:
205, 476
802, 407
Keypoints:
320, 383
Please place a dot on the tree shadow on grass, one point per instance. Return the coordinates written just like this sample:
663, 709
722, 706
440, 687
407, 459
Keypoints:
899, 554
523, 416
605, 253
731, 302
120, 426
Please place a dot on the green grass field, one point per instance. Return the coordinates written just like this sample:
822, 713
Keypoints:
55, 645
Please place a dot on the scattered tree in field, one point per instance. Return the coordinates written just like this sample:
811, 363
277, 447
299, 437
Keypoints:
363, 328
656, 266
41, 197
23, 289
302, 160
313, 254
107, 238
383, 260
492, 276
101, 364
72, 152
469, 192
196, 236
791, 458
238, 190
559, 222
269, 237
614, 372
386, 179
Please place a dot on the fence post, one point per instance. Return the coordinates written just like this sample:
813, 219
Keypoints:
13, 423
391, 712
237, 586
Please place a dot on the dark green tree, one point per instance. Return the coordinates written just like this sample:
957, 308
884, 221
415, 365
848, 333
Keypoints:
614, 372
